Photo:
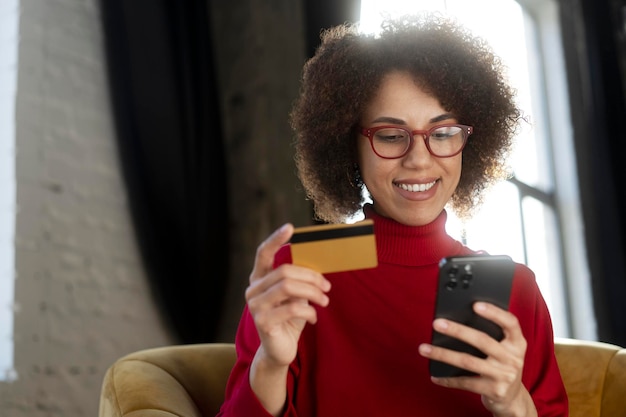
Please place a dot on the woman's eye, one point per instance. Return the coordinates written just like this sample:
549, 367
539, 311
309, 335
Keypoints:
441, 135
446, 133
390, 136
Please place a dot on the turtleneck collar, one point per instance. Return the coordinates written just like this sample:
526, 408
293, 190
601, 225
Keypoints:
412, 245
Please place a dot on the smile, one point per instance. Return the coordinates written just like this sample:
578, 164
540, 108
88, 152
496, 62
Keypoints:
416, 187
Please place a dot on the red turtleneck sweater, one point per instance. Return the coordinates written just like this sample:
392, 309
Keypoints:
361, 358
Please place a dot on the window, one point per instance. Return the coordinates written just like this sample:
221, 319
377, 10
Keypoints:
535, 217
9, 15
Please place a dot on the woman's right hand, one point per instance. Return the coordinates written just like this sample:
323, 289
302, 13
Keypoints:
279, 301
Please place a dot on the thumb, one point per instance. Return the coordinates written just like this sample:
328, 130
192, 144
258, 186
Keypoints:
264, 260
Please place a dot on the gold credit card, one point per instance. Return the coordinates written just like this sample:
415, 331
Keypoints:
335, 247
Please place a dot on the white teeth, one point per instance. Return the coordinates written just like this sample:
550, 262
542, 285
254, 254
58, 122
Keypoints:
416, 187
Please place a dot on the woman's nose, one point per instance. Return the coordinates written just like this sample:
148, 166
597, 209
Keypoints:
418, 155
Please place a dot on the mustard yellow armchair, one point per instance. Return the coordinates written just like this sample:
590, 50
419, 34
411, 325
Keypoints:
189, 380
182, 380
594, 375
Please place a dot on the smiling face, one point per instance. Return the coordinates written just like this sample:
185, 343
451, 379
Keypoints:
413, 189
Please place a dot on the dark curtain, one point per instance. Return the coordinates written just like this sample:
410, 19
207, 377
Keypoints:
595, 41
324, 14
168, 129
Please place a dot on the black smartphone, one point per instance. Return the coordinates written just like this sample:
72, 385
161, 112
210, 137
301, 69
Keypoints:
464, 280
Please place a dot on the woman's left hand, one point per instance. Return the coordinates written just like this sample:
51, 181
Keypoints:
499, 380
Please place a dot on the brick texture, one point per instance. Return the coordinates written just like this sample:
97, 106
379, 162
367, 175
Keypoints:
81, 293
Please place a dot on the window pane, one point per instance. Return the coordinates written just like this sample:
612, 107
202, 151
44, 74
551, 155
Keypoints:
544, 258
497, 227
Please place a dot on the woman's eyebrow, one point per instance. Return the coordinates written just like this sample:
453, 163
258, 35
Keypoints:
395, 121
442, 117
391, 120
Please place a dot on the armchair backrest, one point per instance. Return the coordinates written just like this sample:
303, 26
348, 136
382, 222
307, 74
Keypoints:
594, 374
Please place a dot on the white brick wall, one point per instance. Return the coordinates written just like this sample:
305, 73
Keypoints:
83, 297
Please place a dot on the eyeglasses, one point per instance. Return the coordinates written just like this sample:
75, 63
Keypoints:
442, 141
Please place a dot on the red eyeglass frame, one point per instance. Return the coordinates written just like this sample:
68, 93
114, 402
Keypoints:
370, 131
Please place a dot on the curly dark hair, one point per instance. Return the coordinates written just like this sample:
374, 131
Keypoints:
445, 59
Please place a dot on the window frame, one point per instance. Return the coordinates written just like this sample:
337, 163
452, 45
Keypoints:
543, 30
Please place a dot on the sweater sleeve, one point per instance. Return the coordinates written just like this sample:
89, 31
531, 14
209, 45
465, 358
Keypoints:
240, 400
541, 376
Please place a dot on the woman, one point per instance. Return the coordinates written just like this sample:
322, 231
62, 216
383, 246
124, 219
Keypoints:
422, 117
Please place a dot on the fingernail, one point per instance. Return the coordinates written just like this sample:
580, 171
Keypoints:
440, 324
425, 349
480, 306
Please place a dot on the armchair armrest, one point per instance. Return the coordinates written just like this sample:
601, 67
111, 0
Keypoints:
594, 374
183, 380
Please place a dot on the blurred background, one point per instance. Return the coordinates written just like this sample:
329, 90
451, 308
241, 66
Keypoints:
145, 152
